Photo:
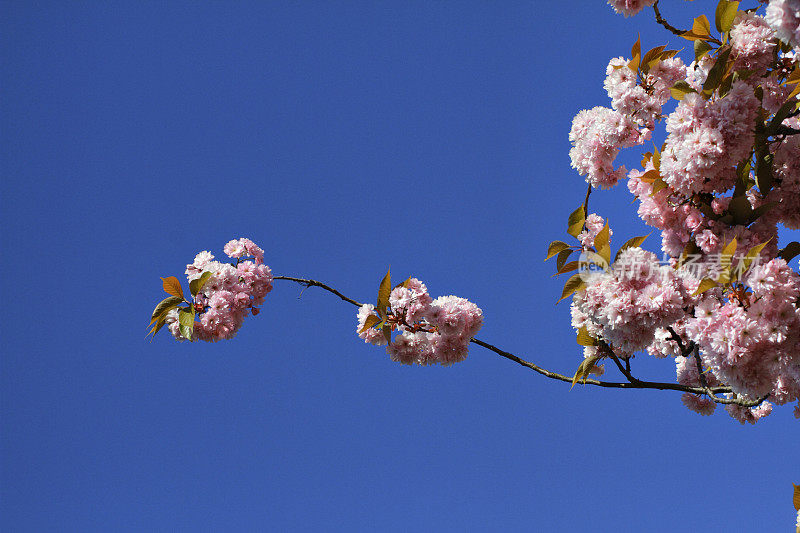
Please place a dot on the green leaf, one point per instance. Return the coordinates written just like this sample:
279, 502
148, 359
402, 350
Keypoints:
563, 255
690, 249
196, 284
751, 255
164, 306
782, 113
668, 54
726, 12
717, 71
658, 185
741, 210
652, 57
706, 284
186, 331
555, 248
791, 98
601, 244
369, 322
568, 267
796, 497
573, 284
760, 210
584, 339
656, 159
725, 259
633, 242
691, 36
186, 323
701, 48
591, 258
701, 26
172, 286
387, 333
186, 317
730, 248
602, 237
650, 176
584, 369
157, 326
743, 177
681, 89
636, 52
575, 222
384, 290
790, 251
725, 85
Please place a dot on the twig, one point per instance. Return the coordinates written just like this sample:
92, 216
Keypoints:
314, 283
586, 203
661, 20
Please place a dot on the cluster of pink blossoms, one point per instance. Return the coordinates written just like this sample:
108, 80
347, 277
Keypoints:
754, 345
630, 7
642, 101
430, 331
707, 140
592, 226
597, 135
703, 189
783, 16
627, 304
231, 293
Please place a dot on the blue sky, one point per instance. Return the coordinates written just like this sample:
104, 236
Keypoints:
344, 138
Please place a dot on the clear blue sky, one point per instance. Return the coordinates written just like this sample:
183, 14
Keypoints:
343, 137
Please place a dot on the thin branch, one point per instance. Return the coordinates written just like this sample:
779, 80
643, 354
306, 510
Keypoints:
633, 383
608, 384
699, 364
586, 202
661, 20
685, 350
786, 130
624, 370
314, 283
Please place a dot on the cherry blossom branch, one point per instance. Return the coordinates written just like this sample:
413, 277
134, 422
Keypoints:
632, 383
661, 20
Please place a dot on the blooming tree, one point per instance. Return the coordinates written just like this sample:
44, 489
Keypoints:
722, 301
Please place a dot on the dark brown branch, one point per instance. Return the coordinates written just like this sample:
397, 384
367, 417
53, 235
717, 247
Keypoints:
609, 384
586, 202
624, 370
633, 383
685, 350
786, 130
313, 283
661, 20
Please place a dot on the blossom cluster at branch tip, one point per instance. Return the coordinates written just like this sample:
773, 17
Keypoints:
726, 177
430, 331
629, 8
232, 292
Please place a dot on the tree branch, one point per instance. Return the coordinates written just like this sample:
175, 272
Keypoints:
661, 20
632, 382
314, 283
